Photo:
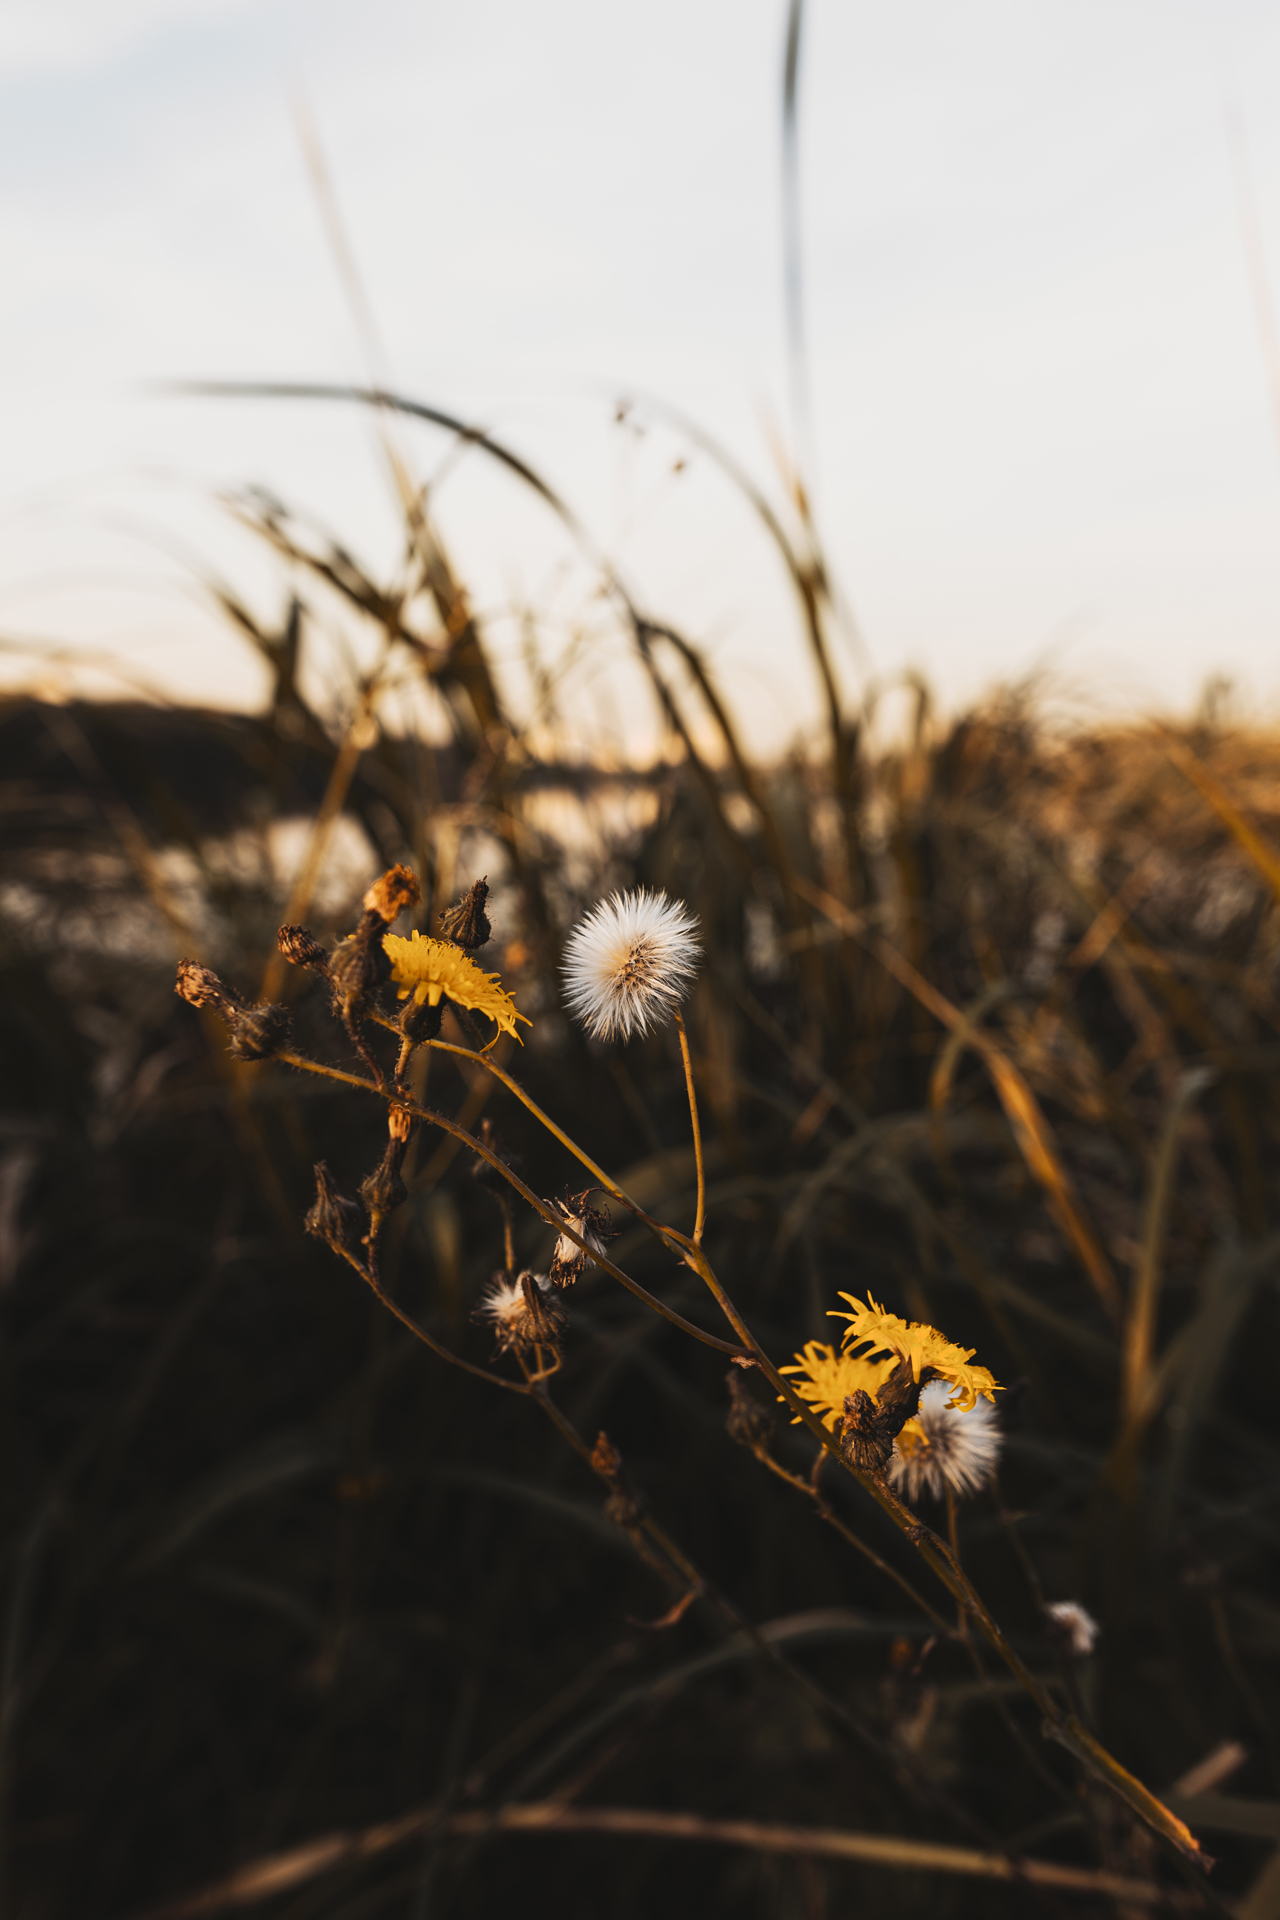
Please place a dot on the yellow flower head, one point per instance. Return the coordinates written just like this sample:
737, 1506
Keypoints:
825, 1378
429, 969
876, 1331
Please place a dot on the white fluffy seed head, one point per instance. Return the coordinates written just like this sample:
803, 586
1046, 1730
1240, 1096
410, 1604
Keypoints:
503, 1303
630, 963
962, 1452
1073, 1627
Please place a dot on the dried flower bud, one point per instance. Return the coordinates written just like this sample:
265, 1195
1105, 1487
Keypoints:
590, 1224
605, 1458
388, 897
358, 965
399, 1123
383, 1190
870, 1427
333, 1218
301, 948
256, 1032
202, 987
749, 1423
466, 923
625, 1507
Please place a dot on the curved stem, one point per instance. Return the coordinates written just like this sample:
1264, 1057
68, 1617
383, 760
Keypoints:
697, 1130
603, 1180
420, 1333
541, 1207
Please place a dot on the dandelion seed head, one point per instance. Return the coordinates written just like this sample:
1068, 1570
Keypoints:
945, 1446
1073, 1627
630, 963
519, 1321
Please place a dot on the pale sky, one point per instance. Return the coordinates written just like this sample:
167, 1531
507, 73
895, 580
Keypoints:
1044, 431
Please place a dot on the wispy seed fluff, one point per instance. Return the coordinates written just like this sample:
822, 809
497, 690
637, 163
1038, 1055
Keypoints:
945, 1446
630, 963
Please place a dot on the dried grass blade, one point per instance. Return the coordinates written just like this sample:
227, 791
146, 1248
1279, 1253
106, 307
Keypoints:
1246, 837
1030, 1128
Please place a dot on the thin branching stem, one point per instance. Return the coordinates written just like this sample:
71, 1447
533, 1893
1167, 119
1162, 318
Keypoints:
553, 1219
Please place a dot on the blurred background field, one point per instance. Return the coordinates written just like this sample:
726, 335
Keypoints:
272, 1574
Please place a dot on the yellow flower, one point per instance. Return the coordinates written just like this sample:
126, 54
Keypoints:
826, 1377
428, 969
876, 1331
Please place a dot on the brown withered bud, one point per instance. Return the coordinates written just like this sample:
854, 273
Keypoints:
749, 1423
605, 1458
869, 1428
256, 1032
358, 966
466, 923
383, 1190
388, 897
333, 1218
399, 1123
301, 948
625, 1507
202, 987
590, 1224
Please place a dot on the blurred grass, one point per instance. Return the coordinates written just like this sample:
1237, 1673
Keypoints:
988, 1025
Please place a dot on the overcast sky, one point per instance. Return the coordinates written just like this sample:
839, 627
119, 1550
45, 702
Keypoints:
1044, 436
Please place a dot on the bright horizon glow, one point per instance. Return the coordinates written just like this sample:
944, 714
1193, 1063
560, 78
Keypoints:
1044, 436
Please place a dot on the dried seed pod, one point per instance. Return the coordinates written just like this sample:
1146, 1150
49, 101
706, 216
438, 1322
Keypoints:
389, 896
591, 1224
525, 1313
301, 948
202, 987
466, 923
870, 1427
333, 1218
749, 1423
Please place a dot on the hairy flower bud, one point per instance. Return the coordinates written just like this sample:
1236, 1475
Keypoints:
358, 965
333, 1218
388, 897
420, 1021
258, 1032
466, 923
301, 948
383, 1190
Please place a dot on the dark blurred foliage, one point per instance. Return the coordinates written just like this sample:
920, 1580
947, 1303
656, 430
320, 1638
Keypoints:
271, 1570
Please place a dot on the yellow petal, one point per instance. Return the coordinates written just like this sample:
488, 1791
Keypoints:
825, 1378
874, 1330
431, 968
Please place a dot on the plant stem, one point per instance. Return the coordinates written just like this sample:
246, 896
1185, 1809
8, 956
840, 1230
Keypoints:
541, 1207
697, 1130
